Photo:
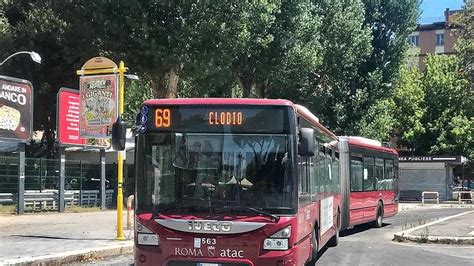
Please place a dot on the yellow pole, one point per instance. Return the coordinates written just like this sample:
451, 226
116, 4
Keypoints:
120, 235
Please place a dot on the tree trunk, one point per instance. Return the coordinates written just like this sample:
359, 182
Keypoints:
157, 80
262, 89
173, 79
246, 85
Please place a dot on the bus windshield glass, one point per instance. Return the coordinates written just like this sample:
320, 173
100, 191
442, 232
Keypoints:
182, 172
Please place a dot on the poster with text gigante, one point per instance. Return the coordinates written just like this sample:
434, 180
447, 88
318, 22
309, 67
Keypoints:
16, 109
98, 108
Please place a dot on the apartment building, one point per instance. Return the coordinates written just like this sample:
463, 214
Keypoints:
434, 38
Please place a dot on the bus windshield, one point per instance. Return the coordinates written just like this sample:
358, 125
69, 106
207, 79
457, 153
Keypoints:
214, 173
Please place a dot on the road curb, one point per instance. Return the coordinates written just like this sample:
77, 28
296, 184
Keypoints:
123, 248
405, 235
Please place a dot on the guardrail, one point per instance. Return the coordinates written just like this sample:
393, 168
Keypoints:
7, 198
429, 192
467, 198
48, 199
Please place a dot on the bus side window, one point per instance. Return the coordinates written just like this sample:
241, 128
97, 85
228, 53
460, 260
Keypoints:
357, 173
389, 175
304, 176
335, 171
314, 173
369, 176
379, 174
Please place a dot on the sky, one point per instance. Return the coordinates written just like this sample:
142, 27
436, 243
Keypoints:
433, 10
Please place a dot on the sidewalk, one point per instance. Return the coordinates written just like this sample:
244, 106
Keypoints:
55, 238
456, 229
403, 206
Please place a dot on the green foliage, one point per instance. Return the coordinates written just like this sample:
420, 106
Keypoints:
409, 97
448, 103
465, 44
340, 58
390, 22
323, 83
136, 92
379, 122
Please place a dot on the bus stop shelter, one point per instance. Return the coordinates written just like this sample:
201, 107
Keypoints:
432, 173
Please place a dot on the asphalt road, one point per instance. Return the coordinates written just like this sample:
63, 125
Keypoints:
364, 245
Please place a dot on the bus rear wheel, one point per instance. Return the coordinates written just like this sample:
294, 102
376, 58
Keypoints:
379, 219
315, 242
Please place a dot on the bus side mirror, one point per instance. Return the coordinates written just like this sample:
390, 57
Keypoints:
306, 142
119, 134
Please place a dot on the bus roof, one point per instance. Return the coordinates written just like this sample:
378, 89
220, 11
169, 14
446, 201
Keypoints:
304, 112
367, 143
223, 101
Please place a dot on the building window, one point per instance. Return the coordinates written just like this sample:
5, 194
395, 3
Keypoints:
439, 39
415, 40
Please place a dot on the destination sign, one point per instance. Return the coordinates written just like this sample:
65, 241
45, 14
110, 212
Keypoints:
216, 118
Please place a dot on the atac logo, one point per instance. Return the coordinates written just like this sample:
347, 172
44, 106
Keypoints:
209, 226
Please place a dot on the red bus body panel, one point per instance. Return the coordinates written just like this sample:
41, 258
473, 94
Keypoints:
363, 205
246, 248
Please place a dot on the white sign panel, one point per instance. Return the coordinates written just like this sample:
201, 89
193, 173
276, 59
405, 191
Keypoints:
326, 214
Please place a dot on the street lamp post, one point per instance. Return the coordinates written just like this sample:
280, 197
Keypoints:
34, 56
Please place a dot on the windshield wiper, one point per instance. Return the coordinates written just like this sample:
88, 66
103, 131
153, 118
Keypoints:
236, 208
158, 211
178, 207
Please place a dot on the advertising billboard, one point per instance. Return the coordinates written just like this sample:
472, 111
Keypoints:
68, 117
98, 105
16, 109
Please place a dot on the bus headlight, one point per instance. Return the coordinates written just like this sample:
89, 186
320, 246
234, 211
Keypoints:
148, 239
279, 240
145, 236
275, 244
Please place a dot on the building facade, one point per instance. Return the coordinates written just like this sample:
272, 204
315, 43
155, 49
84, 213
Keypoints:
434, 38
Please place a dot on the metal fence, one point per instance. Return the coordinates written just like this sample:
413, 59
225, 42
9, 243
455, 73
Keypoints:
82, 183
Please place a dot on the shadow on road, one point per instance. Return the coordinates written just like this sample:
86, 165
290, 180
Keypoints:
357, 229
360, 228
62, 238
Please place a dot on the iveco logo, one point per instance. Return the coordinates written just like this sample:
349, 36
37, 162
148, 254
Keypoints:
209, 226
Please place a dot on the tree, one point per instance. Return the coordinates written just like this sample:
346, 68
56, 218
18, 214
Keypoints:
465, 43
409, 98
345, 43
448, 103
390, 22
37, 26
378, 122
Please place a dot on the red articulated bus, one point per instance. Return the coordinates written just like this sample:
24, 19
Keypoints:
370, 189
227, 182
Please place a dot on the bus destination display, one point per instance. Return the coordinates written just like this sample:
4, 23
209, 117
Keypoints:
269, 119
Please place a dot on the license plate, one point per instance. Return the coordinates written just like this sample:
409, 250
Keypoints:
207, 264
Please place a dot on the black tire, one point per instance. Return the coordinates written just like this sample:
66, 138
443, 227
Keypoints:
334, 241
315, 242
379, 218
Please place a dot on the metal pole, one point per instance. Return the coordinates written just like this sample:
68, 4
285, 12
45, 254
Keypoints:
20, 207
41, 174
62, 170
102, 179
80, 184
120, 235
